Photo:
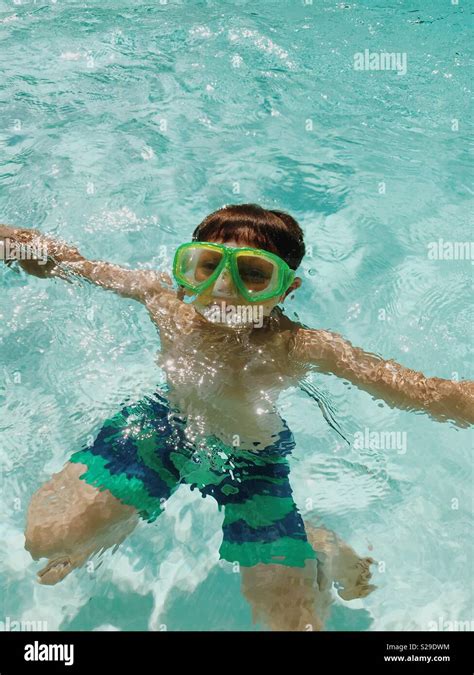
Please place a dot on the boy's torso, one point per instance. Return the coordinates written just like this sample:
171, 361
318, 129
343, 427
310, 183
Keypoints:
224, 381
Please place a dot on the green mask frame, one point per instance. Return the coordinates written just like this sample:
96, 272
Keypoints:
258, 275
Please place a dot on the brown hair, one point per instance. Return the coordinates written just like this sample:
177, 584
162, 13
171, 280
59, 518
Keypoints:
274, 231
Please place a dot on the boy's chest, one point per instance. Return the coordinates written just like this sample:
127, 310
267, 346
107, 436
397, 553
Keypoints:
206, 356
228, 364
234, 394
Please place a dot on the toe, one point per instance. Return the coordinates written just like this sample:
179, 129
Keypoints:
54, 571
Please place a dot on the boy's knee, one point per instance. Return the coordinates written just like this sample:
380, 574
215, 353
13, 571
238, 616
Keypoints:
66, 512
41, 543
48, 520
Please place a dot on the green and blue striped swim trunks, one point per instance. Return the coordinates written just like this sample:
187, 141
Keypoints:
142, 456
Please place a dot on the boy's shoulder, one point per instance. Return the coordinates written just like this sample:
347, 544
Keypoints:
283, 321
286, 328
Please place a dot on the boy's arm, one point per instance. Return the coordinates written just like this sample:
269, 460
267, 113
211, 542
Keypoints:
396, 385
65, 261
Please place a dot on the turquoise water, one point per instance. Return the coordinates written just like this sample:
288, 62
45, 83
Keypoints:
122, 124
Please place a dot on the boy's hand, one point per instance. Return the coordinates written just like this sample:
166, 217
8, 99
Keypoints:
46, 252
22, 234
16, 235
58, 259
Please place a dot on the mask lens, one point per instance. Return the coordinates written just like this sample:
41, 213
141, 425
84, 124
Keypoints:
196, 265
258, 274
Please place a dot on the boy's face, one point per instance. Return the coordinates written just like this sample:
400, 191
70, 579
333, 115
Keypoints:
224, 295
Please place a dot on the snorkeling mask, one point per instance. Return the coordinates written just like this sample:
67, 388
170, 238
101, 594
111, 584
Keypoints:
258, 275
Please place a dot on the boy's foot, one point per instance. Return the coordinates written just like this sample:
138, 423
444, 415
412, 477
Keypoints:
60, 567
340, 563
54, 571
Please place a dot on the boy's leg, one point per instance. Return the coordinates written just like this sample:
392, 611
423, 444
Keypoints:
281, 574
286, 598
96, 500
69, 520
264, 533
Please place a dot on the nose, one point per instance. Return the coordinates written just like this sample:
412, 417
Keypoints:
223, 286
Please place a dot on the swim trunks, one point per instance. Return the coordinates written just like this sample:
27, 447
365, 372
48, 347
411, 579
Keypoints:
142, 456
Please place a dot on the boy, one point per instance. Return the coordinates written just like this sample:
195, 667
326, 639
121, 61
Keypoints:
227, 351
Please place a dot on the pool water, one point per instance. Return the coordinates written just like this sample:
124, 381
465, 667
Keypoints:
122, 125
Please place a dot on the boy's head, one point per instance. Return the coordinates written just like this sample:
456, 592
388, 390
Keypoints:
252, 225
249, 225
